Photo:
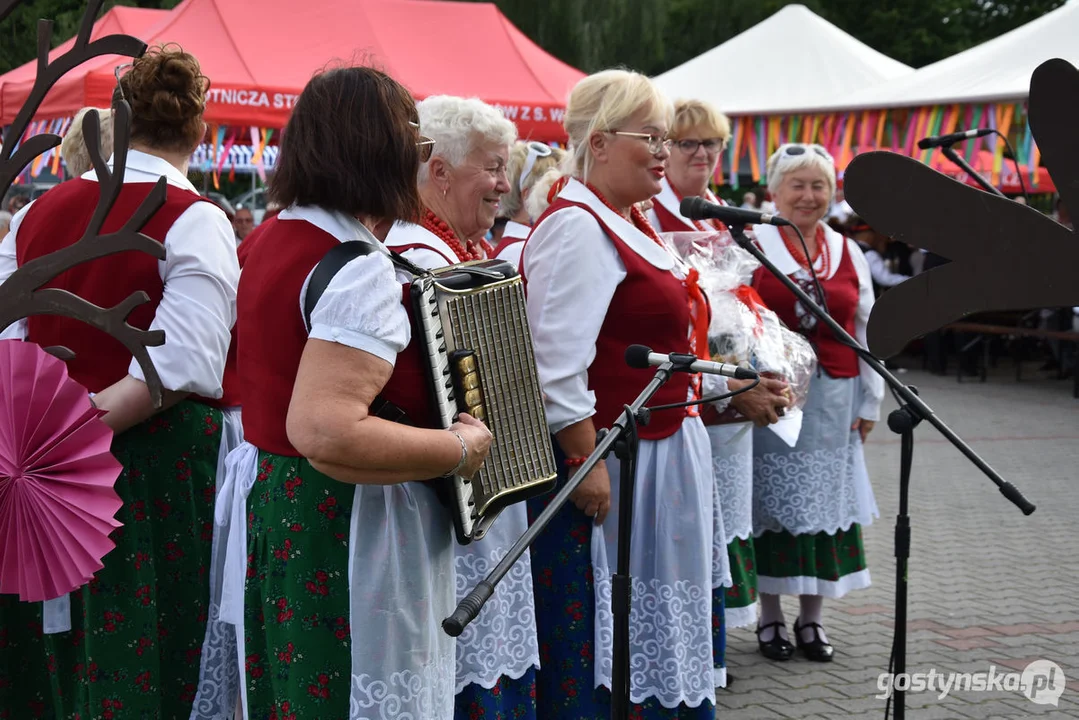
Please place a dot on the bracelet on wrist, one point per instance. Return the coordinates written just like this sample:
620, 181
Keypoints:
464, 453
576, 461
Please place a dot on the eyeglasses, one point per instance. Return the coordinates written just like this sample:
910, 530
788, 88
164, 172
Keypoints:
116, 73
656, 143
425, 144
711, 145
796, 149
536, 150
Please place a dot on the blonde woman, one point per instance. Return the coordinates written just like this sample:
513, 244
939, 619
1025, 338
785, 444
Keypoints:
73, 149
700, 133
529, 161
600, 280
810, 501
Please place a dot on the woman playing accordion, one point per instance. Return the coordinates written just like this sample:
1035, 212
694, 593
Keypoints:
349, 559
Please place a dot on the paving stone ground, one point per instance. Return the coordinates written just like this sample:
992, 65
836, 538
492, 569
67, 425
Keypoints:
989, 587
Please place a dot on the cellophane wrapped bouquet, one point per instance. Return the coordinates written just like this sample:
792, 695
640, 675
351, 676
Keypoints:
742, 330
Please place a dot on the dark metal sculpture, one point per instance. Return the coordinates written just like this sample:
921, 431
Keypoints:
1004, 255
23, 294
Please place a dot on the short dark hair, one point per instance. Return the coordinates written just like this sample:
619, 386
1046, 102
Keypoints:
349, 147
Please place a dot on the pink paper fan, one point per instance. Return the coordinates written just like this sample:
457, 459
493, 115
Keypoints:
57, 500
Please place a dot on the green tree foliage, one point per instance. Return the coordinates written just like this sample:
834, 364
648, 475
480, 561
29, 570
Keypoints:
18, 33
655, 35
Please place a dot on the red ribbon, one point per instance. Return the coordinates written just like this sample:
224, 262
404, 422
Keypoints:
556, 187
698, 337
749, 297
698, 312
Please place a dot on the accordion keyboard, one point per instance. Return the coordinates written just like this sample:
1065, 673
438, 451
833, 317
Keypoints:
477, 338
445, 399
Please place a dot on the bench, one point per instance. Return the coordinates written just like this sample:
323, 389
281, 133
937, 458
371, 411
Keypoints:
983, 330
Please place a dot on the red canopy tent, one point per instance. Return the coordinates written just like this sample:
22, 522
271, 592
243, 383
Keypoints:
259, 57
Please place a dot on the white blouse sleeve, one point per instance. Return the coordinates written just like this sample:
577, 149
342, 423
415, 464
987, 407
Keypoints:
9, 263
573, 270
198, 307
361, 308
872, 383
715, 385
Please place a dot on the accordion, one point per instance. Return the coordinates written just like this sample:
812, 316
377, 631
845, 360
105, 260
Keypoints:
471, 318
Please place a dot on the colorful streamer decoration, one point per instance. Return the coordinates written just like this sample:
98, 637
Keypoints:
753, 140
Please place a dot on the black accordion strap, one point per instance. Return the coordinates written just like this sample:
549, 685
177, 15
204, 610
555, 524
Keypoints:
331, 264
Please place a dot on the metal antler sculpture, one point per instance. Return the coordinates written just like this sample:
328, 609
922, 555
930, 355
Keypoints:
23, 294
1003, 255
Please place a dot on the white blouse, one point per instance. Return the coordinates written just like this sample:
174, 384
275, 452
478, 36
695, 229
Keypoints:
200, 272
361, 307
573, 271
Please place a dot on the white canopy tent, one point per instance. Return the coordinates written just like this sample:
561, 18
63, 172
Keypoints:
993, 71
802, 62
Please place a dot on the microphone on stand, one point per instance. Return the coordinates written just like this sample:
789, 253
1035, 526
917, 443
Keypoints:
696, 208
641, 357
952, 138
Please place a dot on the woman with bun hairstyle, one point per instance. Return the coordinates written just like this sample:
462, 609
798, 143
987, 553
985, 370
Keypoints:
130, 645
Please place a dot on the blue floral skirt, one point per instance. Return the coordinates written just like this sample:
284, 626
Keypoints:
565, 622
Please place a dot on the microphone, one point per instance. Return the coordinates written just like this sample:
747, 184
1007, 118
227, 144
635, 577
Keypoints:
641, 357
951, 138
696, 208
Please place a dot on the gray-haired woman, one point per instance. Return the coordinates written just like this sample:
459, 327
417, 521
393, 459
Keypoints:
810, 501
461, 187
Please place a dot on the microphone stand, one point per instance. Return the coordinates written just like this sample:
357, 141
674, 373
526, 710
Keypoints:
624, 440
912, 410
958, 160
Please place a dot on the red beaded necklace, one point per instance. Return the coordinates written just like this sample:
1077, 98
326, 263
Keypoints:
794, 247
440, 228
636, 216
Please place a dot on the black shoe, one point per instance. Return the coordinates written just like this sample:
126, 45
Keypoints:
817, 650
777, 648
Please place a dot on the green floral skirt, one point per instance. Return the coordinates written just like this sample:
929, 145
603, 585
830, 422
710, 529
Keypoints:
819, 564
296, 601
741, 598
136, 633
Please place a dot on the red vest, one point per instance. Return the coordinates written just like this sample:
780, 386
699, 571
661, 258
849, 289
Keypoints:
57, 220
271, 335
841, 293
649, 308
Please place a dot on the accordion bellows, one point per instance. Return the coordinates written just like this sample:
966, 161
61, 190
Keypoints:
481, 360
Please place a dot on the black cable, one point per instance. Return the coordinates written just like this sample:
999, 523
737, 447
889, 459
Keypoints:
1015, 161
706, 400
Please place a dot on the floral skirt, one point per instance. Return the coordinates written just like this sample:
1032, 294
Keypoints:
509, 699
741, 597
818, 564
565, 623
137, 628
298, 660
